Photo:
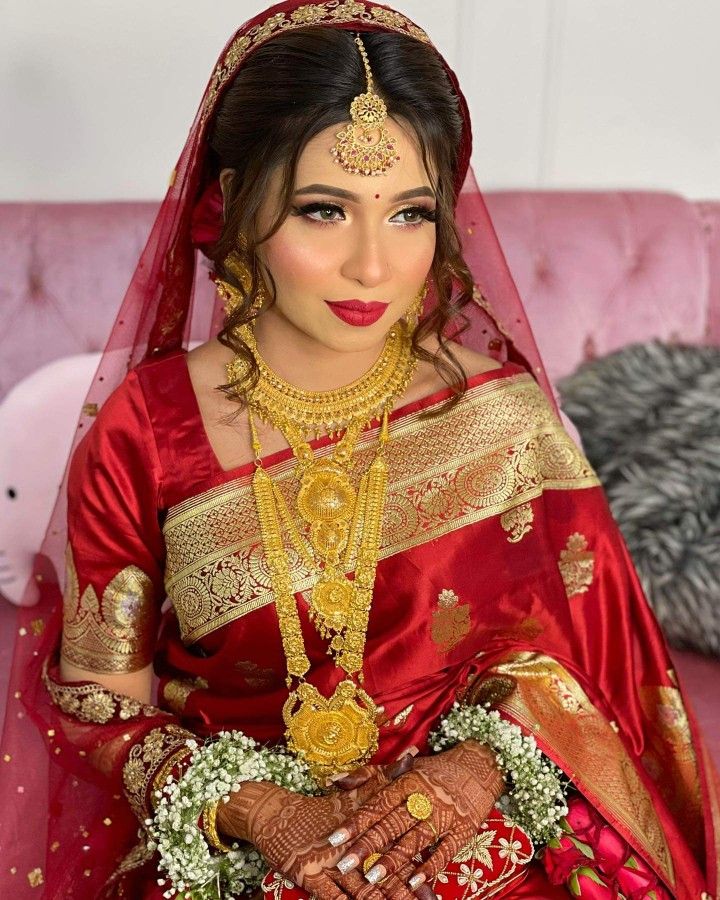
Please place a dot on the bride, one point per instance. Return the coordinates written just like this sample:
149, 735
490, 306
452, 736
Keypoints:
399, 644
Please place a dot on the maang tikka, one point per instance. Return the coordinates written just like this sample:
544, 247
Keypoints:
365, 147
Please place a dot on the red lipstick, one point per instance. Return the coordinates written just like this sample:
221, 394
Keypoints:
355, 312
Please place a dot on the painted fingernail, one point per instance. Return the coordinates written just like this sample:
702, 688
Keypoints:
339, 837
377, 873
348, 863
416, 881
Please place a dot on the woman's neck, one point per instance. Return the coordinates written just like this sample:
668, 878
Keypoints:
304, 362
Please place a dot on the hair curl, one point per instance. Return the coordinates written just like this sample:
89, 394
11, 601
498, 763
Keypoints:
289, 90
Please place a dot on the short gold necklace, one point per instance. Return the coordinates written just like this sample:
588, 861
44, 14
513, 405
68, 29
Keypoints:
337, 733
316, 412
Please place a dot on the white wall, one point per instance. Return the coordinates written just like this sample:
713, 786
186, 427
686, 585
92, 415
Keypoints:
96, 96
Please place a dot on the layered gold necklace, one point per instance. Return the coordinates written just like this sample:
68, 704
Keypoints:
338, 525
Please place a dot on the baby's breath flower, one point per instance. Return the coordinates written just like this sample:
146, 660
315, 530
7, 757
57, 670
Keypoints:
216, 768
535, 798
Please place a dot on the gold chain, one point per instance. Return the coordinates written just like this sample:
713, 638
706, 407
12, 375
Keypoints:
337, 733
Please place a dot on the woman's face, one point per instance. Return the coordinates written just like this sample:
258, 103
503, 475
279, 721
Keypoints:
350, 237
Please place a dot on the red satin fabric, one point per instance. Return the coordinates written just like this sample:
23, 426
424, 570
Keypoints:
610, 643
614, 646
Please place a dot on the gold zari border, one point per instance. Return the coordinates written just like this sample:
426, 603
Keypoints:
500, 447
549, 703
148, 761
332, 12
91, 702
114, 633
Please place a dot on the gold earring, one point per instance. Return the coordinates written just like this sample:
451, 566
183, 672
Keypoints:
415, 310
231, 296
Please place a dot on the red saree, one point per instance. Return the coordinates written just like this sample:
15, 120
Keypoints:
502, 575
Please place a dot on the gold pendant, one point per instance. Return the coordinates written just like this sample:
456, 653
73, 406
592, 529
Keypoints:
326, 494
332, 735
331, 601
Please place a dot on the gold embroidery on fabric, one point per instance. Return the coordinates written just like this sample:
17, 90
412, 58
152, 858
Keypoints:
177, 690
489, 690
450, 622
256, 676
402, 717
518, 521
502, 446
115, 634
576, 565
713, 790
547, 702
670, 758
94, 703
310, 14
145, 759
139, 855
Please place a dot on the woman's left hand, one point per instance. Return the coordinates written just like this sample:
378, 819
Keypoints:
462, 785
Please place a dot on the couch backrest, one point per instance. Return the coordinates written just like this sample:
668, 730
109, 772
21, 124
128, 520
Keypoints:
595, 269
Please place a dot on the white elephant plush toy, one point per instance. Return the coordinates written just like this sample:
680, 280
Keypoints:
38, 418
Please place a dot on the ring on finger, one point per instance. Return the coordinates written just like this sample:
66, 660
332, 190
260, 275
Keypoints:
420, 807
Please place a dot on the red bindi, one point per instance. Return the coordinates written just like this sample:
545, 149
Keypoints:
377, 196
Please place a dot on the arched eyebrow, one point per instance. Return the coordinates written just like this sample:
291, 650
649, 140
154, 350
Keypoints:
342, 194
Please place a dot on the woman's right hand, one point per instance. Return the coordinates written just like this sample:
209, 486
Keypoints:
290, 830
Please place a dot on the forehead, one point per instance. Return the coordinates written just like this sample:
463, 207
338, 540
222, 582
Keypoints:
317, 165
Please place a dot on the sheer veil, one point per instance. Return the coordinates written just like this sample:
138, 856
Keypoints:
47, 797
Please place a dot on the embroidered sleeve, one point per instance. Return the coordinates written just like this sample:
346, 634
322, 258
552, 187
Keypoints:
135, 743
114, 632
115, 556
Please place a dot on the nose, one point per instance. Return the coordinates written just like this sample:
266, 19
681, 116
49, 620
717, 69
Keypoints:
368, 261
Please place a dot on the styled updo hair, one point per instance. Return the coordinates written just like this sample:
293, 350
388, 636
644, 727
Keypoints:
290, 89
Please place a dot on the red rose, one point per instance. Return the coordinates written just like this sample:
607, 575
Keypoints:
560, 862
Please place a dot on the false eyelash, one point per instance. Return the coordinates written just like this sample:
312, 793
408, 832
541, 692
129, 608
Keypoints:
428, 215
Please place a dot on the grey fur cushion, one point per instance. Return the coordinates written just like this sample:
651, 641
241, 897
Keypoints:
649, 417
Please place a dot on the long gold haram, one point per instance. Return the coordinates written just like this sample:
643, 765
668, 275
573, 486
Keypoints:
338, 733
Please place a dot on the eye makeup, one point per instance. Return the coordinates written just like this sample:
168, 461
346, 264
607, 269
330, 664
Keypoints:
311, 210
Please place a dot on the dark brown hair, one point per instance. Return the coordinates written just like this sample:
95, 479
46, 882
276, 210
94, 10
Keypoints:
292, 88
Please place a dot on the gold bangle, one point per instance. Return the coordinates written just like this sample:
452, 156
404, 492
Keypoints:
209, 827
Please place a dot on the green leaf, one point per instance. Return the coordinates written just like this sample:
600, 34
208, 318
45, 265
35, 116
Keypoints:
585, 849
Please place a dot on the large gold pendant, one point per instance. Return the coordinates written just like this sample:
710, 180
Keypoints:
332, 735
326, 496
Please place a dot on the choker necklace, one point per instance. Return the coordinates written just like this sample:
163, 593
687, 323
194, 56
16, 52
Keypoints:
338, 526
278, 402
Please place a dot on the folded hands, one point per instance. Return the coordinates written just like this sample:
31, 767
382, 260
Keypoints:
359, 840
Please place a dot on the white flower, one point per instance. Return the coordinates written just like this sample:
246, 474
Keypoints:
471, 877
509, 849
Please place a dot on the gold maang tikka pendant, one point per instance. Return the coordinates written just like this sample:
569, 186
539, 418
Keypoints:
365, 147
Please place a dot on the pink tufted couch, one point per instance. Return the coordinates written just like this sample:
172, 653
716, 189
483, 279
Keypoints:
596, 270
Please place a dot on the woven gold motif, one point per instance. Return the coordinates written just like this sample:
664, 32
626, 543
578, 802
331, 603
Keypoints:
670, 758
114, 634
177, 690
450, 622
576, 565
518, 522
499, 447
330, 12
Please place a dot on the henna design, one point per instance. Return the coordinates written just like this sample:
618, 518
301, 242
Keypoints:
462, 783
290, 830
